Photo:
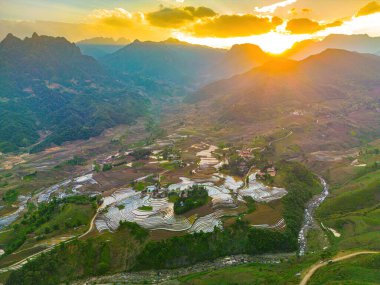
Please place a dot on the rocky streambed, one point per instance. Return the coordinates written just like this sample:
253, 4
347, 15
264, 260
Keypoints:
309, 216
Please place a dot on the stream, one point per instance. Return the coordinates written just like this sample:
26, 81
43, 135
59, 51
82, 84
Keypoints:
308, 216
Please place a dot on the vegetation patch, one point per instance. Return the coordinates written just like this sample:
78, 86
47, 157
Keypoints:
146, 208
109, 252
358, 270
10, 196
192, 248
195, 197
51, 217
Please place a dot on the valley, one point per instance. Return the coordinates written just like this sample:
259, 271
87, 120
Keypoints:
167, 162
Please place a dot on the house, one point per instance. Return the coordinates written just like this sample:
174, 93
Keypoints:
151, 188
246, 153
271, 171
260, 174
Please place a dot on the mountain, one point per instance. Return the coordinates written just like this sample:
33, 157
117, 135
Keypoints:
100, 47
280, 85
239, 59
104, 41
48, 86
358, 43
183, 63
171, 60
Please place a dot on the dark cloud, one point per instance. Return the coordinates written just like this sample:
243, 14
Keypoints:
307, 26
177, 17
225, 26
370, 8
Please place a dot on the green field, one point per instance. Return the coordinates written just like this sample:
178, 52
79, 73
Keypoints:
354, 211
361, 270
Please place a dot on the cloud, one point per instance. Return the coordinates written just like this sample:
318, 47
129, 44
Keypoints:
200, 12
115, 17
272, 8
307, 26
370, 8
225, 26
178, 17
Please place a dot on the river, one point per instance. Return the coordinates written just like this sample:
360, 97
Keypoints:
315, 202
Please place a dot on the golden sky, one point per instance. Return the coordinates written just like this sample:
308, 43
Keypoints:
272, 24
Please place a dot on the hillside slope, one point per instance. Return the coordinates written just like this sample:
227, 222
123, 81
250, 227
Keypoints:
48, 88
283, 84
358, 43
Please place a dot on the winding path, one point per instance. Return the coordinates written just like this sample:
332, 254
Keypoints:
19, 264
279, 139
315, 267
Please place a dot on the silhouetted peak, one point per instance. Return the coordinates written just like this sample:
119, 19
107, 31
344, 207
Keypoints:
173, 41
245, 46
10, 39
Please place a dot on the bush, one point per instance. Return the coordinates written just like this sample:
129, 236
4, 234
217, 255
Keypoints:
10, 196
197, 196
107, 167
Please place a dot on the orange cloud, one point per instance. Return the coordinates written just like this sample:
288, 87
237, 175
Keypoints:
225, 26
178, 17
307, 26
370, 8
200, 12
115, 17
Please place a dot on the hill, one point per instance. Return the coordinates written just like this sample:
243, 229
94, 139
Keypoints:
49, 88
100, 47
282, 84
171, 60
104, 41
358, 43
182, 63
239, 59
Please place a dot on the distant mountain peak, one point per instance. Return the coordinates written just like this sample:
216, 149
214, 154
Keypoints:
172, 41
342, 36
10, 38
362, 43
251, 48
10, 41
104, 41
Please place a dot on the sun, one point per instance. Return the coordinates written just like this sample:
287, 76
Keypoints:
273, 42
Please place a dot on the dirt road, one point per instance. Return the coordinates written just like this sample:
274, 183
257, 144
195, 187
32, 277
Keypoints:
315, 267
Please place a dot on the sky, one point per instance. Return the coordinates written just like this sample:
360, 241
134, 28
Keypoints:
274, 25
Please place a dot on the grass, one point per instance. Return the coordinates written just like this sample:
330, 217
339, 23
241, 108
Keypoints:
169, 165
268, 274
106, 252
72, 215
352, 201
30, 176
359, 270
354, 211
146, 208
